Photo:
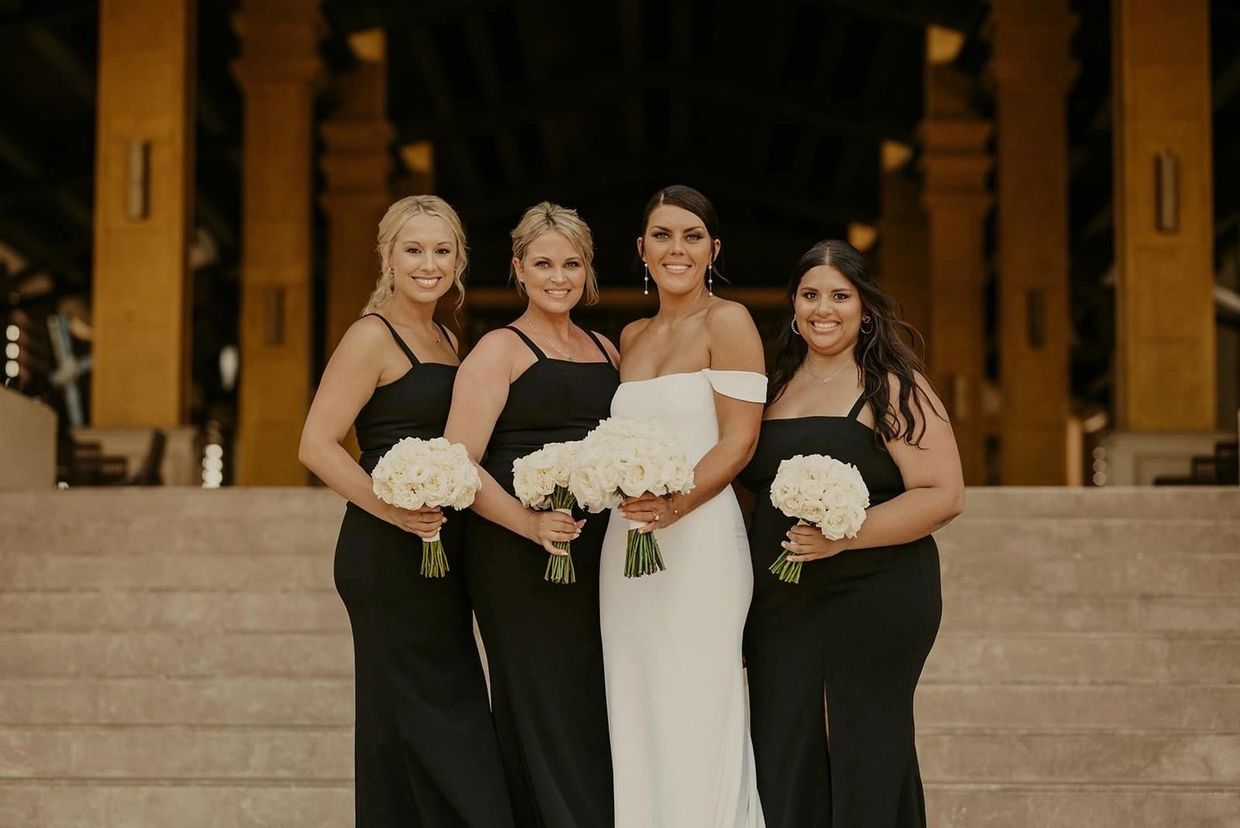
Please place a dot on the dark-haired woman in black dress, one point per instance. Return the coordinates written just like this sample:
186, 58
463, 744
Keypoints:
425, 746
540, 380
858, 627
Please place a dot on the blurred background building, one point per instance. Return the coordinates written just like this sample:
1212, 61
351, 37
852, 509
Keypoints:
189, 194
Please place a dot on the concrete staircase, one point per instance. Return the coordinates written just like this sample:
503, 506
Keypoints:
1088, 668
179, 657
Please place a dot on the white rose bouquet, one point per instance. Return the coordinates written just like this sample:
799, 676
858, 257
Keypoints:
820, 491
626, 458
415, 473
540, 481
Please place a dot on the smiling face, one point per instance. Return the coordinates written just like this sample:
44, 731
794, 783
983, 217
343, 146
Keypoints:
553, 273
828, 310
424, 259
677, 249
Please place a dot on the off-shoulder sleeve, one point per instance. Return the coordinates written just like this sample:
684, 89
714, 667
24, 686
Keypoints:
741, 385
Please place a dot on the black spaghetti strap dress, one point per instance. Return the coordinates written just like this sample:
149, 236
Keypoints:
858, 627
425, 747
542, 639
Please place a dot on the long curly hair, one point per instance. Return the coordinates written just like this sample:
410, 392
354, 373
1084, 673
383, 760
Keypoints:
880, 353
397, 214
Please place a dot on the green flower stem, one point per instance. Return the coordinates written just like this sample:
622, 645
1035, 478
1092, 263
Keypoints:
560, 568
641, 555
434, 561
787, 571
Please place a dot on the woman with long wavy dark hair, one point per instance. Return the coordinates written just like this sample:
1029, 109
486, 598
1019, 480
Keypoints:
859, 625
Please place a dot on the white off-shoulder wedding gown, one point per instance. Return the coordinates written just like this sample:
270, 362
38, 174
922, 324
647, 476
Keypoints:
681, 752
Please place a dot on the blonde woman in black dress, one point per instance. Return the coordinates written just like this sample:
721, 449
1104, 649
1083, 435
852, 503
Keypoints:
540, 380
426, 752
859, 625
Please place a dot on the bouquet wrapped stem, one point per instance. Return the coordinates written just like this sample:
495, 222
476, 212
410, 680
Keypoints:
641, 554
560, 567
787, 571
434, 561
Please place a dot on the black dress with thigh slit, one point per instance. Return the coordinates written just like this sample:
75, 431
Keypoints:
542, 640
425, 746
858, 627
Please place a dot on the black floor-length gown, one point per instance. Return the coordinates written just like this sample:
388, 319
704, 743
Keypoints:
858, 627
542, 639
426, 750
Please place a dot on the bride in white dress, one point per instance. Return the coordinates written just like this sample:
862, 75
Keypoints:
681, 751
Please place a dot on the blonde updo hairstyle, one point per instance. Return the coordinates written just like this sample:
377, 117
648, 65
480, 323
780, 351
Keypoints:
389, 228
545, 217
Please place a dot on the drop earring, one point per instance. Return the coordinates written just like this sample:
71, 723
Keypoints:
710, 279
645, 279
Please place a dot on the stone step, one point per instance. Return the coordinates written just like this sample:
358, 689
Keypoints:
151, 570
957, 658
1071, 756
1107, 502
227, 534
320, 610
171, 610
965, 611
171, 535
117, 804
296, 504
1088, 658
130, 804
176, 655
1089, 537
324, 754
202, 752
158, 700
330, 702
1112, 571
272, 505
1070, 806
1103, 706
1109, 572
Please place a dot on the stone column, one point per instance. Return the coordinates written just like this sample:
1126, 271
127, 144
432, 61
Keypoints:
357, 166
1033, 73
955, 165
1164, 229
419, 177
277, 70
144, 191
902, 241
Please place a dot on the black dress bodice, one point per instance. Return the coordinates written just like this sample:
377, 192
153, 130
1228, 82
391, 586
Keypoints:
415, 405
554, 401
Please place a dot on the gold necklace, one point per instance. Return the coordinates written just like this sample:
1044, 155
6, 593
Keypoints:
824, 379
434, 328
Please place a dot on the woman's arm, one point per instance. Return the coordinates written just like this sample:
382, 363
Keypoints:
734, 346
478, 397
348, 382
934, 492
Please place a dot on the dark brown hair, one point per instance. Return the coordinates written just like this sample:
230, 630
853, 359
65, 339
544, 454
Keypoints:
879, 352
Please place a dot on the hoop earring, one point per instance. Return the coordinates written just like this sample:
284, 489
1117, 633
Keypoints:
793, 325
863, 328
645, 279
